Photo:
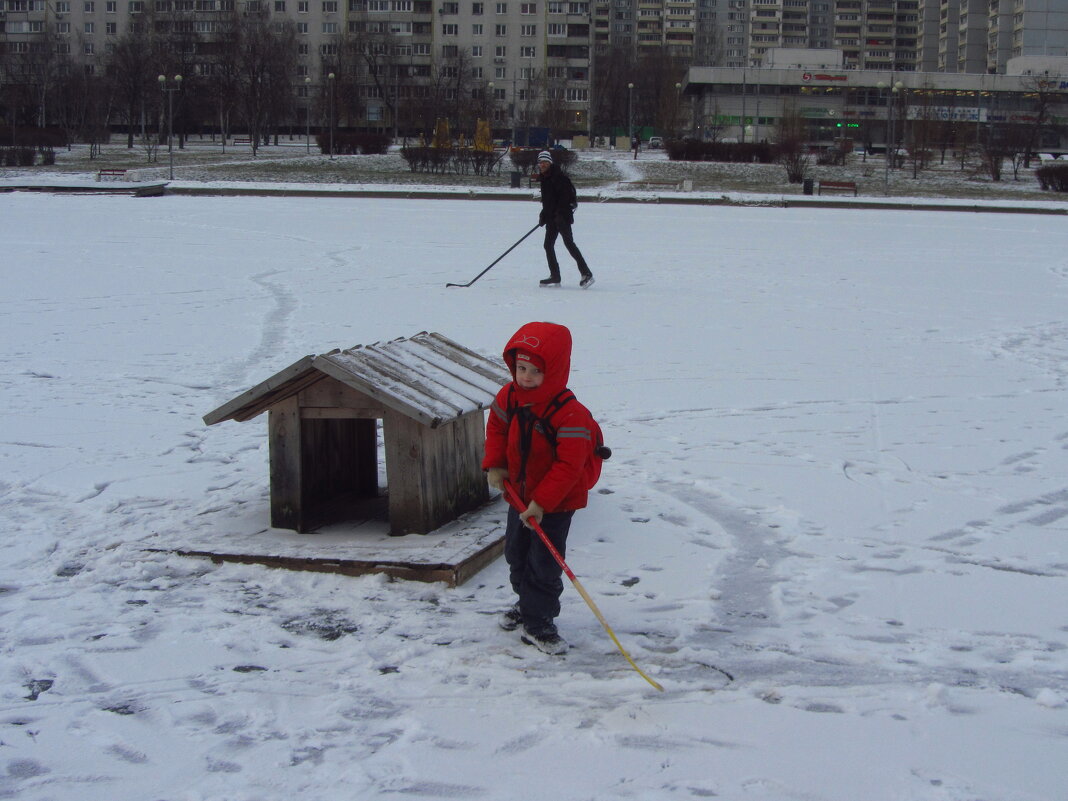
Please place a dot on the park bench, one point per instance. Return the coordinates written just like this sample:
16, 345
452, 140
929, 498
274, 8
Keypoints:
115, 173
837, 186
242, 140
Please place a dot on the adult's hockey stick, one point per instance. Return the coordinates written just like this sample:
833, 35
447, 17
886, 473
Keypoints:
517, 502
513, 247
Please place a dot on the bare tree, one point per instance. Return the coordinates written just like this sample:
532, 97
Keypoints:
922, 129
133, 67
791, 139
615, 69
86, 105
30, 73
1043, 94
264, 58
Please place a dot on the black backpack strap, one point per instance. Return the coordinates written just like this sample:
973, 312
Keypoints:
561, 399
528, 422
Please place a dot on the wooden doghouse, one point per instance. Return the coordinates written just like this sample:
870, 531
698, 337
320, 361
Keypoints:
430, 394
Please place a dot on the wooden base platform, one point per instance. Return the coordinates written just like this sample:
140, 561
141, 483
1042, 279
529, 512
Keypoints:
451, 554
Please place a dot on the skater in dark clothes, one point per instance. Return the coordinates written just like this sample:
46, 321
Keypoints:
547, 479
558, 206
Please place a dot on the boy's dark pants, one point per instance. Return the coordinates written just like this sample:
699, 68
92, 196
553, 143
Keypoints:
535, 575
559, 227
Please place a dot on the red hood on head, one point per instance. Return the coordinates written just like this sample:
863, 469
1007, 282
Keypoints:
550, 341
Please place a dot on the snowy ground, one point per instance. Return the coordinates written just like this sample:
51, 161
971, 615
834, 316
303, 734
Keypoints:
833, 528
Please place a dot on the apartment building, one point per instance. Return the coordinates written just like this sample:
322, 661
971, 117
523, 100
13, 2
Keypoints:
518, 54
1039, 28
642, 25
524, 52
969, 36
871, 34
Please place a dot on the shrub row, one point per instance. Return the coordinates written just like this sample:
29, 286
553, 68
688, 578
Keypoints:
525, 159
26, 156
1053, 176
350, 144
696, 150
460, 160
42, 138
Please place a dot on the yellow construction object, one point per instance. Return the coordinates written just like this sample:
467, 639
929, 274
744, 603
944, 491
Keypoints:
483, 136
441, 134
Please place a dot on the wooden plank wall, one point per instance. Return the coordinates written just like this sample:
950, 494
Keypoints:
434, 474
324, 447
284, 432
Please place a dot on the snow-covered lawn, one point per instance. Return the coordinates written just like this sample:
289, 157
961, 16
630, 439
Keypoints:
833, 528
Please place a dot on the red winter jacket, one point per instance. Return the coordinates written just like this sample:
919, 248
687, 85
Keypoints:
553, 481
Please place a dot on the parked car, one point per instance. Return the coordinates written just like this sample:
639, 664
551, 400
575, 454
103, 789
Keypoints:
655, 141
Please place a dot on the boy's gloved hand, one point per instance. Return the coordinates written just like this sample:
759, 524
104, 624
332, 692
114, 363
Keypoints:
533, 512
496, 476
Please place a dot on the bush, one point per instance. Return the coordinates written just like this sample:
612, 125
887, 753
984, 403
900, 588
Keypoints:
33, 137
18, 156
427, 159
1053, 177
835, 156
460, 160
349, 144
525, 159
690, 149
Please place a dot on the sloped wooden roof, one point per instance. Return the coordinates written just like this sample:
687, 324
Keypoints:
427, 377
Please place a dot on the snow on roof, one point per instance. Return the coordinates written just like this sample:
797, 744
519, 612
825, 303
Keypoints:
427, 377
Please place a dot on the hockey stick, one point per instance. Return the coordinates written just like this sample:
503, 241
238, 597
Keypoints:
513, 247
517, 502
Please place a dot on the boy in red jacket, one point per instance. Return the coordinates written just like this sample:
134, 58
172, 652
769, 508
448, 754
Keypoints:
548, 479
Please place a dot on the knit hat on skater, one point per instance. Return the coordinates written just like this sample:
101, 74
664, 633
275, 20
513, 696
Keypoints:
530, 358
545, 155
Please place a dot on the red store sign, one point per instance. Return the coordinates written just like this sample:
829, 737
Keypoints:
821, 76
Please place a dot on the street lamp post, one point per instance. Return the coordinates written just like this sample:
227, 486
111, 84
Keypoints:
630, 113
678, 111
512, 109
891, 100
489, 108
307, 114
330, 77
170, 87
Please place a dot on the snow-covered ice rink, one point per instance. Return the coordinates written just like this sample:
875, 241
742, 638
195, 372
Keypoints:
834, 526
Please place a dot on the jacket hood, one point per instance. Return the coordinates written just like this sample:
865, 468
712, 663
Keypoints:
550, 341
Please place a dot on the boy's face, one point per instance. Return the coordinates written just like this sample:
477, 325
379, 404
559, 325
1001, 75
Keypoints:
544, 166
527, 375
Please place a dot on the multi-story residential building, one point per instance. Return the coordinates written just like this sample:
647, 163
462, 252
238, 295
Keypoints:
517, 59
643, 25
1039, 28
899, 35
518, 56
972, 19
932, 41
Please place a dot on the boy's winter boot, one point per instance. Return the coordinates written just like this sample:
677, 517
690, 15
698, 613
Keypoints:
510, 619
542, 634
